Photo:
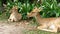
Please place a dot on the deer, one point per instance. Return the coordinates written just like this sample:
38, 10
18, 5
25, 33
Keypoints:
14, 16
46, 24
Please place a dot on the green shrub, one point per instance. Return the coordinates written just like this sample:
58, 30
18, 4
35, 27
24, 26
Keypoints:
50, 8
23, 8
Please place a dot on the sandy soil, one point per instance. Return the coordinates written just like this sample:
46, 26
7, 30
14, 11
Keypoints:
15, 27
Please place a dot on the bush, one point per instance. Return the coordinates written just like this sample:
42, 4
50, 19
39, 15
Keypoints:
24, 8
50, 8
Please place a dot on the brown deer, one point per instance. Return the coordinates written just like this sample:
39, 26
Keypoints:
15, 16
46, 24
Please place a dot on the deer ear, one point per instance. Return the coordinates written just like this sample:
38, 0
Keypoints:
35, 7
27, 13
40, 9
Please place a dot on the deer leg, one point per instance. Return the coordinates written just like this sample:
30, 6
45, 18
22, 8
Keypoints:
54, 30
11, 18
44, 28
15, 19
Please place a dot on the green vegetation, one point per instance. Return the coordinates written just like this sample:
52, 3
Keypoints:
50, 8
0, 3
39, 32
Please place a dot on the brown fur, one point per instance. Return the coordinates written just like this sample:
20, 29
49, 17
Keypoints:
15, 16
47, 24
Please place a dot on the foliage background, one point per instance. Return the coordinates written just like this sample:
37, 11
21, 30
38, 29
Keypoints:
50, 7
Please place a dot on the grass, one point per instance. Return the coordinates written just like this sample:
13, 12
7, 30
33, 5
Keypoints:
39, 32
3, 17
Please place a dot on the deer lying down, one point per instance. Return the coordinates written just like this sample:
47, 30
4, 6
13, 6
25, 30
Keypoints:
46, 24
15, 16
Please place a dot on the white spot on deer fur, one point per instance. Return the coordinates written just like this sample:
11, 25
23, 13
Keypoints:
52, 26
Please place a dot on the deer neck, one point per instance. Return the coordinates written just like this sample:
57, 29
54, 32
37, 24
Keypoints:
38, 18
15, 12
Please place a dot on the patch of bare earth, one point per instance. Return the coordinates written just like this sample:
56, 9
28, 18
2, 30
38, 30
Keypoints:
15, 27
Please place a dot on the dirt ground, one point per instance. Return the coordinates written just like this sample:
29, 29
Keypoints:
15, 27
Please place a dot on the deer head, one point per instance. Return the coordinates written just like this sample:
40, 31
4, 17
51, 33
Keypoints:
34, 12
14, 9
